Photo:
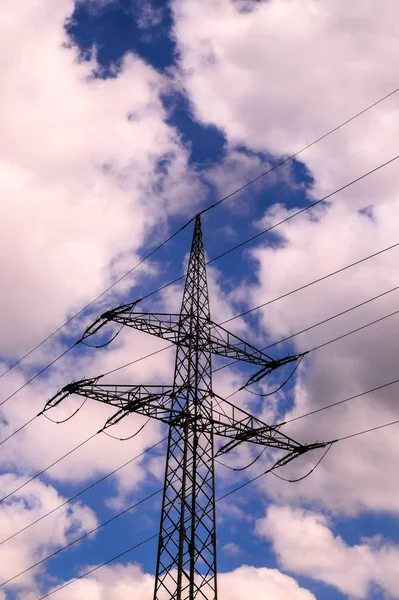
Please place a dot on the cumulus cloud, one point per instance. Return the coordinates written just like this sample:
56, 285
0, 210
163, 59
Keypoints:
305, 545
274, 78
245, 581
231, 549
49, 441
25, 506
347, 367
277, 75
88, 167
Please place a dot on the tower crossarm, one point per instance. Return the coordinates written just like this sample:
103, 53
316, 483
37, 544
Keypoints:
161, 402
227, 344
232, 422
149, 400
176, 329
163, 325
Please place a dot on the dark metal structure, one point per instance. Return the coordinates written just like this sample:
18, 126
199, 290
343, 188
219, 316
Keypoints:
186, 561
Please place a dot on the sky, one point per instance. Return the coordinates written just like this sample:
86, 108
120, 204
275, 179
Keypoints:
120, 120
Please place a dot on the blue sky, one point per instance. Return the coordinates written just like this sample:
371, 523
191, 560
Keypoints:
124, 118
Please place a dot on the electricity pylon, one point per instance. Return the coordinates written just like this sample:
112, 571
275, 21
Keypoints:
186, 561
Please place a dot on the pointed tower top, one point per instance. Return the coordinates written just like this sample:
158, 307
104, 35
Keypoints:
195, 296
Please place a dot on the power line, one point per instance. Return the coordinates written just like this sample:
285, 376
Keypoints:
38, 374
18, 430
339, 402
147, 257
132, 362
343, 312
330, 319
49, 467
317, 348
89, 572
208, 208
320, 322
306, 285
302, 210
107, 562
81, 492
292, 156
352, 435
350, 398
229, 251
275, 225
103, 564
340, 337
80, 538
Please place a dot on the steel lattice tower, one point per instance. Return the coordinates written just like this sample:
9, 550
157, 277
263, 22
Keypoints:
187, 541
186, 560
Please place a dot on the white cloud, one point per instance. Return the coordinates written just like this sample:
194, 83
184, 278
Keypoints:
305, 545
351, 477
147, 15
21, 552
80, 180
279, 75
231, 549
81, 191
273, 78
245, 581
47, 441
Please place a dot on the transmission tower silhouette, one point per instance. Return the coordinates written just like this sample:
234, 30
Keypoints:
186, 559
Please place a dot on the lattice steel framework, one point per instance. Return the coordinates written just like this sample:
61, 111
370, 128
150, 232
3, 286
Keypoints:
186, 561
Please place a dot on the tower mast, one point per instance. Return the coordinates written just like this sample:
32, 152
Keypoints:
186, 559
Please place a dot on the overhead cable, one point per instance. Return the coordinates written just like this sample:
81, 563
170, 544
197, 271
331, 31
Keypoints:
38, 374
49, 467
208, 208
18, 430
152, 537
77, 314
80, 538
340, 337
339, 402
298, 152
306, 285
343, 312
226, 252
83, 491
277, 224
339, 314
